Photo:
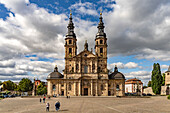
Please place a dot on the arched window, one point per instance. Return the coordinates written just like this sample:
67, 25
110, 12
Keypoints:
85, 55
93, 67
54, 87
70, 41
99, 69
101, 41
117, 87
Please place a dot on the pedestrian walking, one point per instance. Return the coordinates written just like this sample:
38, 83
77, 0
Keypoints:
40, 100
44, 100
47, 106
57, 105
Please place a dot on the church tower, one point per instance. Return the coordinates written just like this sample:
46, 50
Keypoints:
70, 40
101, 40
101, 47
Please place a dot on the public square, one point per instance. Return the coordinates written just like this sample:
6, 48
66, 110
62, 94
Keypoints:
155, 104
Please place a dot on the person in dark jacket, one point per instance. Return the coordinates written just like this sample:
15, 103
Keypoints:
57, 105
44, 100
40, 100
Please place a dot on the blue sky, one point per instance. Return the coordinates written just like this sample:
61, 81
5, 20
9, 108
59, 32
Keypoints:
32, 35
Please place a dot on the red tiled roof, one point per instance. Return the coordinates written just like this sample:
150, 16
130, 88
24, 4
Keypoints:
133, 81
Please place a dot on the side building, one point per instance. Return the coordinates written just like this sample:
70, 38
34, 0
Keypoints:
86, 73
165, 90
134, 86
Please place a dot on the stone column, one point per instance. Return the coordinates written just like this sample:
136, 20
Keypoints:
96, 88
79, 88
106, 83
49, 88
79, 67
74, 66
74, 88
91, 87
59, 89
95, 67
65, 93
91, 66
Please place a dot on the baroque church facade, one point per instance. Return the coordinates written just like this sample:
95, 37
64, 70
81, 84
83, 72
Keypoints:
86, 73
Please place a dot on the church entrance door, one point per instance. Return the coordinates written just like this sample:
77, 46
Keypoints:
109, 93
85, 91
62, 93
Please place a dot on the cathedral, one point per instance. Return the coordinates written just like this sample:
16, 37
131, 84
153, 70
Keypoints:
86, 73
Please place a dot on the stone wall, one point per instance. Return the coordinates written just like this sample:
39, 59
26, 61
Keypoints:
148, 91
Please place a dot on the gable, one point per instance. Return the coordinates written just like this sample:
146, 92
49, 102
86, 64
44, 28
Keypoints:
86, 54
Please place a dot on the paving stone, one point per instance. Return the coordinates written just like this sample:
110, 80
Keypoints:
155, 104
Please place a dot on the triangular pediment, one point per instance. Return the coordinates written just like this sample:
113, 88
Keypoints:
87, 54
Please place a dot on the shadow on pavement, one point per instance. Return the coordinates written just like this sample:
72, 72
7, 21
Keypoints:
60, 110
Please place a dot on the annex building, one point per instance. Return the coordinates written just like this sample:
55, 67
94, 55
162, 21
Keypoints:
86, 73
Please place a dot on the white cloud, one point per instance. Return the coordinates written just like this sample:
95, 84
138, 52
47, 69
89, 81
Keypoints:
33, 30
26, 68
7, 63
164, 67
129, 65
162, 55
86, 8
144, 76
141, 31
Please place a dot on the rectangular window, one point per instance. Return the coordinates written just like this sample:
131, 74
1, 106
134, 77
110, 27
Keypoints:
70, 50
117, 87
101, 50
70, 41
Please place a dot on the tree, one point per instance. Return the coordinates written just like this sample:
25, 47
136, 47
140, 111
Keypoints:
41, 89
0, 83
9, 85
25, 85
163, 79
138, 90
156, 79
149, 84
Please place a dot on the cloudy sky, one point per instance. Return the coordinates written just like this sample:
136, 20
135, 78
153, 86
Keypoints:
32, 35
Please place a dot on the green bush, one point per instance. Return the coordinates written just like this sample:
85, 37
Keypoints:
168, 97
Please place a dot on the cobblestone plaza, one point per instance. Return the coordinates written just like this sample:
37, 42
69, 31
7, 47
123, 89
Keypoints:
156, 104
